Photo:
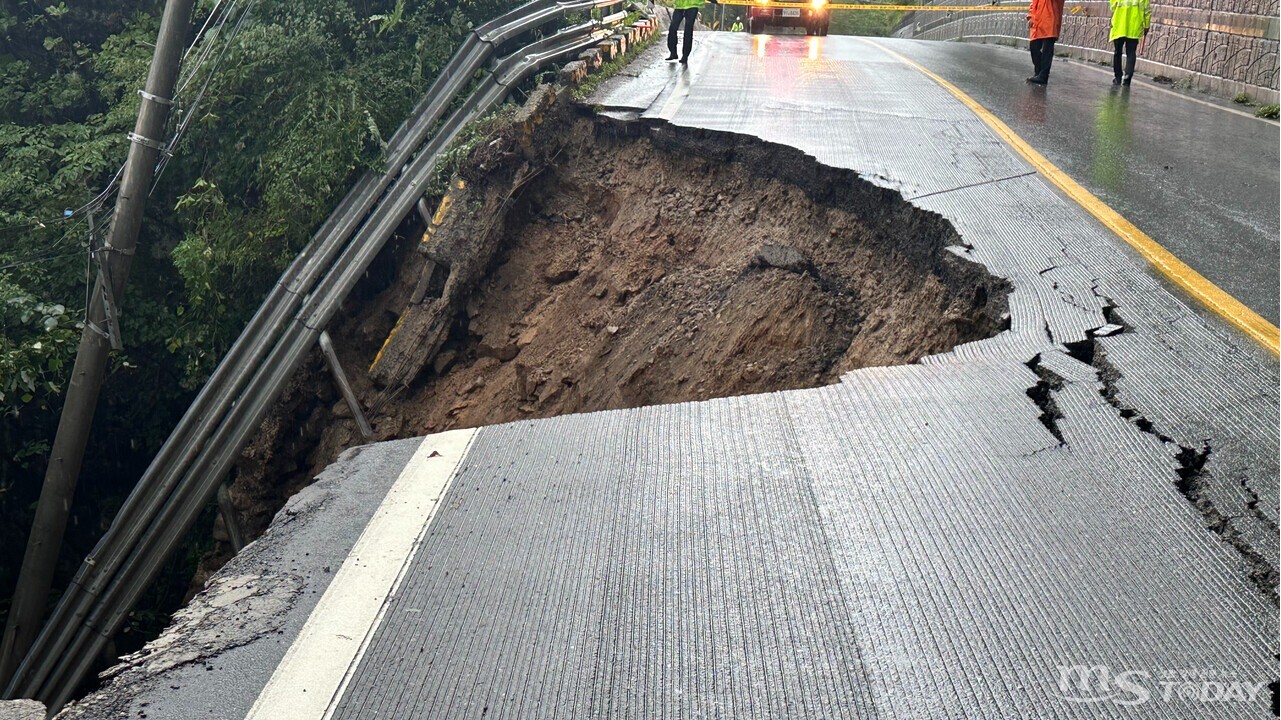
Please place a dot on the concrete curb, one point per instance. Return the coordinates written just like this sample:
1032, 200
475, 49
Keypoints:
1211, 84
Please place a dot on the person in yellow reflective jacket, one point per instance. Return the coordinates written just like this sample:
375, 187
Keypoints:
1130, 21
737, 26
684, 11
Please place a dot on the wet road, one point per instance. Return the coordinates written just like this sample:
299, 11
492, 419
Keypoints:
1093, 490
1200, 180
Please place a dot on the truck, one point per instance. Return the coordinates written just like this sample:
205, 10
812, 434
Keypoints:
809, 14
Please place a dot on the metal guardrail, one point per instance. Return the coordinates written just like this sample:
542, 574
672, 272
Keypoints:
247, 382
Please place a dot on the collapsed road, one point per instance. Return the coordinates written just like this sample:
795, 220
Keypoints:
1064, 504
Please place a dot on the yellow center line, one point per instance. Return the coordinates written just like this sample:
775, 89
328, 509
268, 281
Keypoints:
1175, 270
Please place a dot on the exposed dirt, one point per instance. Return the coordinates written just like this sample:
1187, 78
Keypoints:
637, 272
645, 264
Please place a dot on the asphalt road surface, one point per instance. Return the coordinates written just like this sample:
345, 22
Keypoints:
923, 541
1199, 177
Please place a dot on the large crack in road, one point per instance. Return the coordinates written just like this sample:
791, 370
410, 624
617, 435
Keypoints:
1190, 471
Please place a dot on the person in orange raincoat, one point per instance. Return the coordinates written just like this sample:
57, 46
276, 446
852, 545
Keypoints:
1044, 20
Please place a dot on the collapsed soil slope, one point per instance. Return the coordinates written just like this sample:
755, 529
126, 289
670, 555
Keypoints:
634, 265
642, 268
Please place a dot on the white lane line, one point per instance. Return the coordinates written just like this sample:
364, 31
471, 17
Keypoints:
685, 77
677, 98
316, 669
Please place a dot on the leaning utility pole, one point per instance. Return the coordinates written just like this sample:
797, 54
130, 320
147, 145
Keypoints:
101, 333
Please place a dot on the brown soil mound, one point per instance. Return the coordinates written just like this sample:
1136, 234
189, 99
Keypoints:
648, 264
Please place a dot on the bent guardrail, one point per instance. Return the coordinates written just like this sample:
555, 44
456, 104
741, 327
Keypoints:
249, 379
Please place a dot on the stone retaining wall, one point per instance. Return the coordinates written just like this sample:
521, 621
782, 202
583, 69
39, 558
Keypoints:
1219, 46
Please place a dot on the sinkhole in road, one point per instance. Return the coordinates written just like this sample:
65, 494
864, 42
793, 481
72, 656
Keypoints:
624, 263
590, 264
629, 264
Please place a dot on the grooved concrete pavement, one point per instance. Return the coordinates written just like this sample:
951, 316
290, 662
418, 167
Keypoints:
913, 542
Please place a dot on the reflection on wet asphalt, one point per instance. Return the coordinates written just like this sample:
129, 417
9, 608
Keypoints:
1202, 181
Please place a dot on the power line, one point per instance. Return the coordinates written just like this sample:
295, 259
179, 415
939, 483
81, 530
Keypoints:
201, 34
92, 204
203, 45
41, 259
188, 113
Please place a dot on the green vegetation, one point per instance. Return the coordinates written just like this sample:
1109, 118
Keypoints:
1271, 112
478, 131
872, 23
1242, 99
300, 102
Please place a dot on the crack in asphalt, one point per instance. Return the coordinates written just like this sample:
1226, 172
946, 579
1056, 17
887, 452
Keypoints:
1042, 394
971, 185
1191, 471
1253, 505
1191, 483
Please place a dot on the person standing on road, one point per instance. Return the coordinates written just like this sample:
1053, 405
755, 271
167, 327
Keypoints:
1130, 21
1044, 21
684, 11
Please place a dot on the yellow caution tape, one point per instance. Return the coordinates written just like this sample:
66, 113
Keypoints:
874, 6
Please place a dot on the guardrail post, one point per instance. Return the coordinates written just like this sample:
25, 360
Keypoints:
229, 519
424, 212
340, 379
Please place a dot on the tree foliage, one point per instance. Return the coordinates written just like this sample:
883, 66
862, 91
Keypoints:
869, 23
66, 75
296, 105
304, 100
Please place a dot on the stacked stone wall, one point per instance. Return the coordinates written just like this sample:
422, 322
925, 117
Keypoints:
1220, 46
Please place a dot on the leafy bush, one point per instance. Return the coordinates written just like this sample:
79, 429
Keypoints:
301, 102
33, 348
873, 23
1271, 112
